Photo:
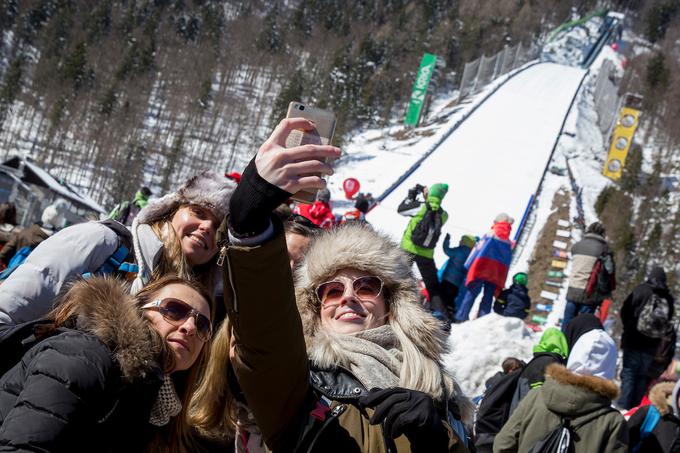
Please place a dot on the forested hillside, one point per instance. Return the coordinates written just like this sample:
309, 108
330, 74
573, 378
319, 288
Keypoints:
111, 94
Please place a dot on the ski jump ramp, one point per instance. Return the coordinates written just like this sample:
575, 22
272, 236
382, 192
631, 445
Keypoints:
495, 160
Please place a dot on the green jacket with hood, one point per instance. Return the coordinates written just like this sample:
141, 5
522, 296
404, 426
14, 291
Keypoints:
406, 242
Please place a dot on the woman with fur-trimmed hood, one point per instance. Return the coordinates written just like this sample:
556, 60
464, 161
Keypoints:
106, 371
347, 359
665, 434
580, 393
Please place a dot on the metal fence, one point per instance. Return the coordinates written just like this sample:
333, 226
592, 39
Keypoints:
482, 71
607, 99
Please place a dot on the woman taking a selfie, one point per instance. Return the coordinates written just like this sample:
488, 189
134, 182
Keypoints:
366, 375
172, 235
107, 371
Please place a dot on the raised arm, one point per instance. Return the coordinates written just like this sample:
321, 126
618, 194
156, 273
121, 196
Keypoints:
270, 356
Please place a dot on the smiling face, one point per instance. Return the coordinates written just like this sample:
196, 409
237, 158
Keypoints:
196, 228
181, 339
351, 314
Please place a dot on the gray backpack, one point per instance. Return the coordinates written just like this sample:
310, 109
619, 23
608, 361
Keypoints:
654, 317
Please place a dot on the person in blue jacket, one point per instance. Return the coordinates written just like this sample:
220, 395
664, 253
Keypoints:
514, 301
452, 273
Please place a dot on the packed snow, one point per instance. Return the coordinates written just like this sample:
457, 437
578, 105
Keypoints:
479, 347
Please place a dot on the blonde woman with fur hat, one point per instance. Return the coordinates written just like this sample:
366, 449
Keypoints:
175, 234
347, 359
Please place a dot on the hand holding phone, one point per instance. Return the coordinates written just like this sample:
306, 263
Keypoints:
321, 134
297, 168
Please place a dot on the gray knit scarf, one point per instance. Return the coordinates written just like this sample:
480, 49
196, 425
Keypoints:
373, 356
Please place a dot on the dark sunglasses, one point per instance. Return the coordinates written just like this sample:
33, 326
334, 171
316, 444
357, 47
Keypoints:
331, 293
176, 312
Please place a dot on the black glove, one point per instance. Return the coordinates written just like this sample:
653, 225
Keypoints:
252, 202
408, 412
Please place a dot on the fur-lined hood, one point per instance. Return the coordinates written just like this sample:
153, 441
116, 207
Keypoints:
105, 309
568, 393
659, 395
359, 247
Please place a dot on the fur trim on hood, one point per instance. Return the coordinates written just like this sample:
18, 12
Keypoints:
207, 189
421, 337
359, 247
600, 386
105, 309
659, 395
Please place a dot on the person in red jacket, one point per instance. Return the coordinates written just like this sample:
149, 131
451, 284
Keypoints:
319, 212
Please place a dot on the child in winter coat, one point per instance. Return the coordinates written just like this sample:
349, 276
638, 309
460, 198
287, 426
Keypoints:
656, 426
581, 394
514, 301
452, 273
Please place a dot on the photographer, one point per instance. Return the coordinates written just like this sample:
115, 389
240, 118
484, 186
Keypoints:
422, 234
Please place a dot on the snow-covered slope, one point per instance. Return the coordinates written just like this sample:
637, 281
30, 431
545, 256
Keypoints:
495, 160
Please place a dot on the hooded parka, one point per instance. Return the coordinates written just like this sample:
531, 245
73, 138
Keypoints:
90, 388
271, 348
584, 400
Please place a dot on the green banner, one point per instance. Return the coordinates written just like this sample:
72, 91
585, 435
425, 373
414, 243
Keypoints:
415, 104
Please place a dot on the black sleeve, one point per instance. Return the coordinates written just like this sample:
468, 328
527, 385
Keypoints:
63, 389
634, 425
252, 203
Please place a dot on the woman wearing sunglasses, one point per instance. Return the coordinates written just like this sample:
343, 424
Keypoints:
109, 371
347, 359
175, 234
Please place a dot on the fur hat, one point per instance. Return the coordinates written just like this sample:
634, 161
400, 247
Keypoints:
207, 189
503, 217
358, 246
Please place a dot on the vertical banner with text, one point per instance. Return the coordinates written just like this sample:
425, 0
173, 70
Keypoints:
415, 105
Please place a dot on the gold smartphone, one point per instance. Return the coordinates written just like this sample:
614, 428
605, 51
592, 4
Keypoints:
322, 135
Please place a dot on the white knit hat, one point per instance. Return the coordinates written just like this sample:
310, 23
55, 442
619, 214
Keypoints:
208, 189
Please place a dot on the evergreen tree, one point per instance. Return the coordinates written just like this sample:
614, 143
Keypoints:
271, 37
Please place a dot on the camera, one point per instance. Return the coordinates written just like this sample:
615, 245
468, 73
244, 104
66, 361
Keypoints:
301, 107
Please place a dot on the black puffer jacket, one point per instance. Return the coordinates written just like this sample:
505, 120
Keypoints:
84, 389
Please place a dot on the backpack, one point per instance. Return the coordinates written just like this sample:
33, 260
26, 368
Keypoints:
559, 440
426, 232
18, 258
602, 279
653, 319
116, 263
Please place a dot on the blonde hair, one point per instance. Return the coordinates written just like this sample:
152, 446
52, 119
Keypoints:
213, 406
173, 260
178, 436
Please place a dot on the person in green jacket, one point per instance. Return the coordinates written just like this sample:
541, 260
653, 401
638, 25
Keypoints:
422, 234
126, 211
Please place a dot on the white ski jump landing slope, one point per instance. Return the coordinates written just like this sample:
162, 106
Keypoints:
495, 160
